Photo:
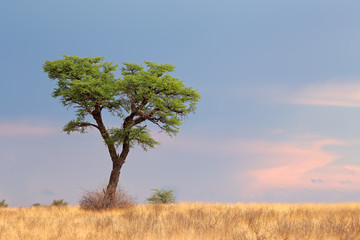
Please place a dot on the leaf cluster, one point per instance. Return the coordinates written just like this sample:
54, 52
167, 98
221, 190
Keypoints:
83, 82
137, 135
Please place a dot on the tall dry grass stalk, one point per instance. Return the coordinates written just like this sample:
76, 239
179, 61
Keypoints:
185, 221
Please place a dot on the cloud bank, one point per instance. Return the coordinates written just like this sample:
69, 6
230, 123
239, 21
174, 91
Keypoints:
26, 129
343, 94
261, 167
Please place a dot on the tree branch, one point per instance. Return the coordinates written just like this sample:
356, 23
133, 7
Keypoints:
86, 124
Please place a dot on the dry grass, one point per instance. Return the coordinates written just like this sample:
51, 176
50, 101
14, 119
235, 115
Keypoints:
185, 221
94, 200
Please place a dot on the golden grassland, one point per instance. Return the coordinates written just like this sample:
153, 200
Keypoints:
185, 221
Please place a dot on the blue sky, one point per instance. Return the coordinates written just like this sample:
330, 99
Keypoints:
278, 120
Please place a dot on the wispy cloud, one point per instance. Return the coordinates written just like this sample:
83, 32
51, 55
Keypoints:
342, 94
26, 129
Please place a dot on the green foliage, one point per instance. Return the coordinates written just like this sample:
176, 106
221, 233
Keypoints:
142, 94
138, 134
3, 204
162, 196
36, 205
59, 203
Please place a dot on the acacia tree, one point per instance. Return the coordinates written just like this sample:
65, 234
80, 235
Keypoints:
140, 95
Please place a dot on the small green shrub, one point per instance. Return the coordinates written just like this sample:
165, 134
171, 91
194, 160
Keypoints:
59, 203
161, 196
3, 204
36, 205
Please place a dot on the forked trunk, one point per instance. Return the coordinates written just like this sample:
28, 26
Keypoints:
117, 160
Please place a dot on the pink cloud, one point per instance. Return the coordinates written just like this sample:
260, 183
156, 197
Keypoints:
303, 163
327, 94
23, 129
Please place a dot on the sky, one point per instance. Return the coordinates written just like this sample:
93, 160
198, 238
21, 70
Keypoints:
278, 121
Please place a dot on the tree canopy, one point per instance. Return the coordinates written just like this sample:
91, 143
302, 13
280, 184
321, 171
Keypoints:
147, 93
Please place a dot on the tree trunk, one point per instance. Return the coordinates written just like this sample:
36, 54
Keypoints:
110, 192
117, 160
